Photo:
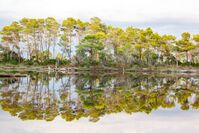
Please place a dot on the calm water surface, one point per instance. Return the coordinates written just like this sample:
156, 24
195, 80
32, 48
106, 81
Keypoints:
130, 103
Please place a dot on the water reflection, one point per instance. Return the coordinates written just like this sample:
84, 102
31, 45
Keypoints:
42, 96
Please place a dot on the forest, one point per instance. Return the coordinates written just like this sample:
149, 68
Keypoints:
73, 42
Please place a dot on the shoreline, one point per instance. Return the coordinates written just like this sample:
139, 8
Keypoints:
97, 69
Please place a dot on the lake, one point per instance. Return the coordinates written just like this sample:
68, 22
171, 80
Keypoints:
100, 103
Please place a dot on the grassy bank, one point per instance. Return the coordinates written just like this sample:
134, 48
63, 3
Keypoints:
73, 69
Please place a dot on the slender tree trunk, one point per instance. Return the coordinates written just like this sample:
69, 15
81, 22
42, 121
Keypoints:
140, 52
70, 41
53, 50
187, 56
11, 53
48, 45
176, 62
35, 45
19, 55
41, 47
48, 51
54, 42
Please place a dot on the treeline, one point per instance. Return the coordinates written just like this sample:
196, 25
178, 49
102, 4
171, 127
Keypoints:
78, 43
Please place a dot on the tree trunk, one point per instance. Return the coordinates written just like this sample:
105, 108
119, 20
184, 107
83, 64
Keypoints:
48, 51
187, 55
140, 54
19, 56
54, 41
70, 40
176, 62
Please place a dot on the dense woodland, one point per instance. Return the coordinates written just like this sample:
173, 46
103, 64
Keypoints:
77, 43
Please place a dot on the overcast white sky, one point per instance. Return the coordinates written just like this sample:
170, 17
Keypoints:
164, 16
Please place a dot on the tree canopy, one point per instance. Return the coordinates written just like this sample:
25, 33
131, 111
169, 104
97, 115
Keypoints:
95, 43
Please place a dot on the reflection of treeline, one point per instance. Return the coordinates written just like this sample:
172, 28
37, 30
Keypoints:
43, 97
45, 41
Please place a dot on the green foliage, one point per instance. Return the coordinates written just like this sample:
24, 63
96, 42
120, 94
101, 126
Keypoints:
29, 62
94, 43
49, 62
10, 58
90, 49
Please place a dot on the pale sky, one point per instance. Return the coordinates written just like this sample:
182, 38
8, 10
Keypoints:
166, 16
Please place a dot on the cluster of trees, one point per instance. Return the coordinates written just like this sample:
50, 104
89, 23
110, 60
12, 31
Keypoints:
43, 97
95, 43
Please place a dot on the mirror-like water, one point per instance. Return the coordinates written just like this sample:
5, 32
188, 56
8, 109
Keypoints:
116, 103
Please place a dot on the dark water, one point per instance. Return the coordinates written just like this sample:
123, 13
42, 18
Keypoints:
128, 103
